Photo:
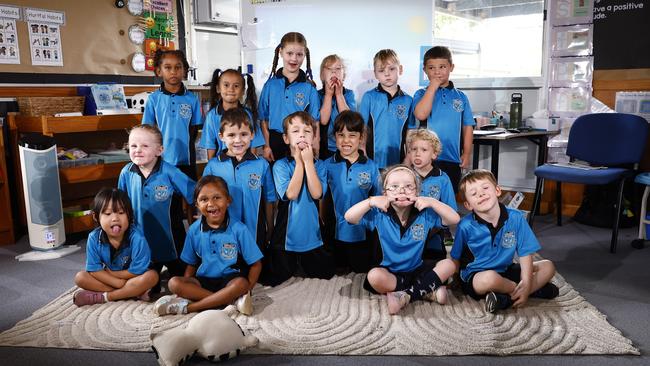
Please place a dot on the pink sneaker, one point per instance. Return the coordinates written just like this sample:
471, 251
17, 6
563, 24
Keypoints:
86, 297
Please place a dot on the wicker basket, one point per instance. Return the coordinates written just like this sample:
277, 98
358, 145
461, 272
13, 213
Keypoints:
48, 106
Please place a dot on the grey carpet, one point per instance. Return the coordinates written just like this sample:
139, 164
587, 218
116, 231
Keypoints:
309, 316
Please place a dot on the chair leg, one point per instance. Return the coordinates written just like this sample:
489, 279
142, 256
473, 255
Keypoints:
558, 202
617, 212
538, 194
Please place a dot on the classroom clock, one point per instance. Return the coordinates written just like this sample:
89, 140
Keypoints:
135, 7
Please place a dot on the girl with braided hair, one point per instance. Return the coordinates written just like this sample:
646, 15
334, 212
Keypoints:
288, 89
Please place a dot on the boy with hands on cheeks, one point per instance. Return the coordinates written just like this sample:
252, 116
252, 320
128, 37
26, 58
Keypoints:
300, 181
404, 223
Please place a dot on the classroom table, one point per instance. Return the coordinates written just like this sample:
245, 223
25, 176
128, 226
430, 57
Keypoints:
540, 138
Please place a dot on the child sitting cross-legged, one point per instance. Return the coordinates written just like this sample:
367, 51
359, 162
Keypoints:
404, 222
494, 234
117, 254
214, 276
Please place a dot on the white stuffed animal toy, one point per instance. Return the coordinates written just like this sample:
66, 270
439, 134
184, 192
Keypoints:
211, 334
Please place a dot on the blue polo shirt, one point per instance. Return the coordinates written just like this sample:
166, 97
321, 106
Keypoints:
250, 184
351, 102
493, 248
173, 114
133, 254
449, 113
280, 98
402, 246
437, 185
151, 199
216, 251
210, 133
297, 224
349, 184
388, 119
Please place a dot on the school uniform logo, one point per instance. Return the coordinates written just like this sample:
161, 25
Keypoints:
400, 110
363, 180
254, 181
433, 191
300, 99
509, 239
161, 193
185, 110
417, 232
125, 261
228, 251
457, 104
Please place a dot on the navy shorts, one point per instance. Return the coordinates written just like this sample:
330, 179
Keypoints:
404, 279
216, 284
513, 273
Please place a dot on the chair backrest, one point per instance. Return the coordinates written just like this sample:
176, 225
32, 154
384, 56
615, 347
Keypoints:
608, 139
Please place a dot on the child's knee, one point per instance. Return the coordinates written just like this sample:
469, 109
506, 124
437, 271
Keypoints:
80, 278
547, 267
150, 277
486, 280
174, 284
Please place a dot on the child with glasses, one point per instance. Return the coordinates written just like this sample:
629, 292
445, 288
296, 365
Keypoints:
404, 223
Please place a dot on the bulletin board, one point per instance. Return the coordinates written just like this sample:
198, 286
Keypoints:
94, 39
355, 30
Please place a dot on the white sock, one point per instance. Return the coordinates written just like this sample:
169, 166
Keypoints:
105, 295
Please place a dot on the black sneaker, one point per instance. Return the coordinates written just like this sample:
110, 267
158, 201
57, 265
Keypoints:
495, 301
548, 291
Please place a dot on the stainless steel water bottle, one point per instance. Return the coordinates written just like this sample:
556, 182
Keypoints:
515, 110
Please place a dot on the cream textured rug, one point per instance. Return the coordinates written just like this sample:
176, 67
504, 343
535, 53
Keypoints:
307, 316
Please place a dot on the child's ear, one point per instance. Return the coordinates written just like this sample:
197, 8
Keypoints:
498, 189
466, 204
451, 68
285, 138
160, 151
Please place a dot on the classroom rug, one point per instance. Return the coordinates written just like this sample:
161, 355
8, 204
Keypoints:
338, 317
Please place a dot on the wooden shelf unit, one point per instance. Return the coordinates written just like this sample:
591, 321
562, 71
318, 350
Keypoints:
51, 126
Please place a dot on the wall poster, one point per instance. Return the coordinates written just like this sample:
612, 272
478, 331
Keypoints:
9, 52
44, 27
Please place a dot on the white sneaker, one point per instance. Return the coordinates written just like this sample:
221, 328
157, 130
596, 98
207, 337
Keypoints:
245, 304
170, 305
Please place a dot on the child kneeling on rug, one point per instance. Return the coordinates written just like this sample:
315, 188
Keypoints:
405, 223
493, 234
117, 254
214, 276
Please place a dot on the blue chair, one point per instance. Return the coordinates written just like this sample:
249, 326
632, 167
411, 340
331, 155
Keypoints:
615, 141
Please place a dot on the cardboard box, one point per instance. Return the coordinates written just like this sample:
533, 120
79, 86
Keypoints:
546, 124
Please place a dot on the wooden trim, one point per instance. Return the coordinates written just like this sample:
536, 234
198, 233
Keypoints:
51, 125
60, 91
91, 173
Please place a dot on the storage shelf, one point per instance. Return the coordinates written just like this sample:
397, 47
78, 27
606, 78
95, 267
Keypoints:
91, 173
49, 125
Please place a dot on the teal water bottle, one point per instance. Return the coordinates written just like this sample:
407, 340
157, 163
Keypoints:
515, 110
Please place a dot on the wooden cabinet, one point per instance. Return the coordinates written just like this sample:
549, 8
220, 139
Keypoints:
76, 182
7, 235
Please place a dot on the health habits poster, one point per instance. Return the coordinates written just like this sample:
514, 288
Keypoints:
44, 28
9, 52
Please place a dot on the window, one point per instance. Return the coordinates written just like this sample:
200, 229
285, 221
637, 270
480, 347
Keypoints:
492, 40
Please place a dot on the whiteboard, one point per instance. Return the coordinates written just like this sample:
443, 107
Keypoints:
355, 30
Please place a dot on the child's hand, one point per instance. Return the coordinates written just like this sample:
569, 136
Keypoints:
434, 84
422, 202
267, 153
380, 202
520, 294
306, 152
338, 87
330, 85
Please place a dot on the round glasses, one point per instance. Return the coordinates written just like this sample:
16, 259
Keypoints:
409, 188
